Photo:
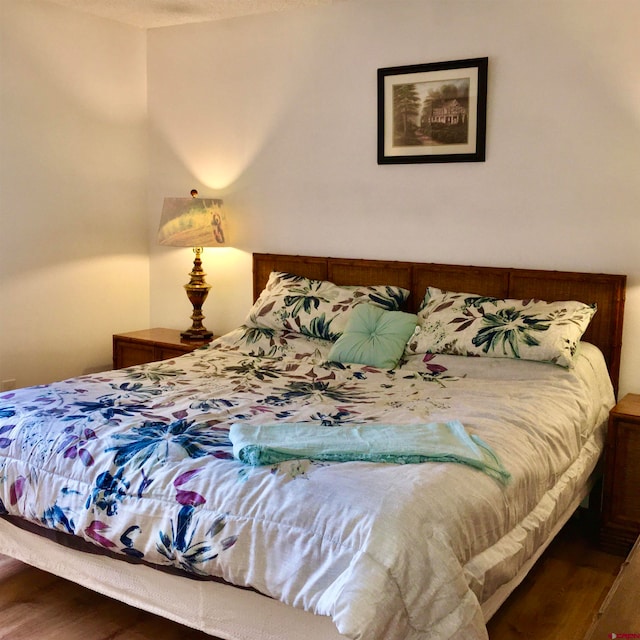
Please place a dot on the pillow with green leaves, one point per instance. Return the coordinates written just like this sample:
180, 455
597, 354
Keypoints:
374, 337
316, 308
473, 325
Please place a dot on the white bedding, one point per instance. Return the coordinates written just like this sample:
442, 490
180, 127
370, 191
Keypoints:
393, 552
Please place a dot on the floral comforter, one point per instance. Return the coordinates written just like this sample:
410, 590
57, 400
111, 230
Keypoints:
138, 461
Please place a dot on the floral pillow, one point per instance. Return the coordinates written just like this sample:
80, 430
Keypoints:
274, 343
473, 325
316, 308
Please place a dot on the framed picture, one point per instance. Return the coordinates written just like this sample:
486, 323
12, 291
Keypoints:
433, 112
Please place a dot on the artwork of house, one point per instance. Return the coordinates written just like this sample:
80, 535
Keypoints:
451, 112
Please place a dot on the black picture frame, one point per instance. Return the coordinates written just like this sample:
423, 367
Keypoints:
434, 112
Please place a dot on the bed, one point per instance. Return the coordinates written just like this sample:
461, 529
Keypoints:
128, 482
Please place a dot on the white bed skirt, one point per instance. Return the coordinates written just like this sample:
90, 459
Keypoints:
215, 608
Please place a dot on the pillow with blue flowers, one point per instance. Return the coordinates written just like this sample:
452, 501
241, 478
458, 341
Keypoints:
316, 308
473, 325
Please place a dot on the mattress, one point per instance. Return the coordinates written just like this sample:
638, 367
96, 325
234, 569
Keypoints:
138, 462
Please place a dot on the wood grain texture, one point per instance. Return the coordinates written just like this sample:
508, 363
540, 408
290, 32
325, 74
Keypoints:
558, 599
621, 495
150, 345
619, 613
35, 605
562, 594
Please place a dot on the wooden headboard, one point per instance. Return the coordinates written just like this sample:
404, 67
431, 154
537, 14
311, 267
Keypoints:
607, 291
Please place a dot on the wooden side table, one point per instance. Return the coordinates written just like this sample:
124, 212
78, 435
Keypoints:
150, 345
621, 491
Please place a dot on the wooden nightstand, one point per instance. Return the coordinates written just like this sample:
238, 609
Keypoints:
621, 490
150, 345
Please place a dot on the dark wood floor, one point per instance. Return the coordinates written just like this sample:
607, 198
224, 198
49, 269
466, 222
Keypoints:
556, 601
562, 593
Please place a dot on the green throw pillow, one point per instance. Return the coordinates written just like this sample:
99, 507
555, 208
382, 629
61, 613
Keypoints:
374, 337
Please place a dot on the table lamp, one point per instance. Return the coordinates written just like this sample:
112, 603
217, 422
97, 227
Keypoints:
197, 223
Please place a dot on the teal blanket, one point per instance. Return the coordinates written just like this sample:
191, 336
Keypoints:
400, 444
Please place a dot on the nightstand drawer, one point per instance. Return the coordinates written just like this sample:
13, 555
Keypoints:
129, 354
165, 353
150, 345
625, 500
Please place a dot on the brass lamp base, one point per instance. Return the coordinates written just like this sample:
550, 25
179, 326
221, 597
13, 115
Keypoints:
195, 335
197, 291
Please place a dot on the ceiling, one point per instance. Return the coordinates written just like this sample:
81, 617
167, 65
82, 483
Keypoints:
148, 14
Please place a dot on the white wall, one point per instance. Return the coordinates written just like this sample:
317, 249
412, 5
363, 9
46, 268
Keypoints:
74, 263
276, 114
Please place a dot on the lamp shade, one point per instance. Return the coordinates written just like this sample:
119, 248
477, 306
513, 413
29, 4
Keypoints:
192, 222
